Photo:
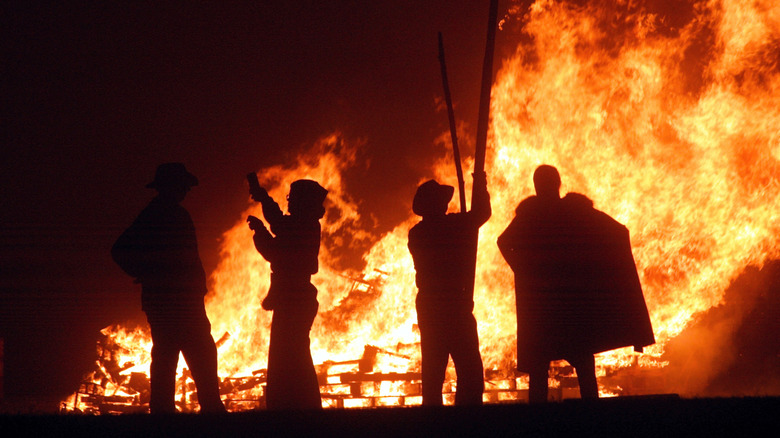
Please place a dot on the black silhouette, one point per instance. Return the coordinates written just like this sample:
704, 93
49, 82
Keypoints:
577, 289
292, 251
442, 246
160, 250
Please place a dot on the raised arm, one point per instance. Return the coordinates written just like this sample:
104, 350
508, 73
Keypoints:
271, 211
480, 200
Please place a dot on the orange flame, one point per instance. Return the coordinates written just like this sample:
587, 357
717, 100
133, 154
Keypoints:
691, 171
671, 130
242, 278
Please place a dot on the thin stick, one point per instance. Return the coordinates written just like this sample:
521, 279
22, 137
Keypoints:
453, 128
484, 97
482, 124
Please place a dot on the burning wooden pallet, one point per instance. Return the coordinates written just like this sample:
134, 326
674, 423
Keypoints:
352, 383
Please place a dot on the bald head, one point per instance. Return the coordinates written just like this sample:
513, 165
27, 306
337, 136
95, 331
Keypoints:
547, 182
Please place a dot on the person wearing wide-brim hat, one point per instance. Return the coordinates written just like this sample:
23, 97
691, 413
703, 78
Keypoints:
442, 247
160, 250
172, 175
292, 250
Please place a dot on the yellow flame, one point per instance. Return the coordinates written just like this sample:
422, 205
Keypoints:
672, 133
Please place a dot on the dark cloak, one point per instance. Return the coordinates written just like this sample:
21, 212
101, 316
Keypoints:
576, 285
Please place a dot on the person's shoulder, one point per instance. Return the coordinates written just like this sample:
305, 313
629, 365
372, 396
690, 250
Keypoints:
578, 201
181, 212
175, 213
154, 210
581, 204
456, 222
438, 225
456, 216
528, 204
416, 231
420, 226
296, 222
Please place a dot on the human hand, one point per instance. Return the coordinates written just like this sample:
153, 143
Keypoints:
480, 179
255, 223
258, 193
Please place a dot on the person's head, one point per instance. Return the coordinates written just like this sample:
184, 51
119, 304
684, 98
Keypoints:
547, 182
172, 180
432, 199
306, 198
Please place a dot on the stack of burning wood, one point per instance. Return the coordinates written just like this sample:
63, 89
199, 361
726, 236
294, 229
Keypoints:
109, 389
113, 387
105, 389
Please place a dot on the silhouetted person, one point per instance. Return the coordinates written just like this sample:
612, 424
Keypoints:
442, 246
292, 251
160, 250
576, 286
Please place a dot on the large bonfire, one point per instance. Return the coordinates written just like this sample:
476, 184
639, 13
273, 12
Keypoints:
670, 126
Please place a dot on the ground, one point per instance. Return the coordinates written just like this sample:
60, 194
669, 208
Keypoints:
653, 416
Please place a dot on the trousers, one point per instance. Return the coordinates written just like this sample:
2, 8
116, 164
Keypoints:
449, 330
186, 330
292, 379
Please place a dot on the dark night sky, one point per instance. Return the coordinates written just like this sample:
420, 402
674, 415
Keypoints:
96, 94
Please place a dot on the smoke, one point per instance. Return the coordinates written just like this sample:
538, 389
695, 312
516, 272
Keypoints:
732, 349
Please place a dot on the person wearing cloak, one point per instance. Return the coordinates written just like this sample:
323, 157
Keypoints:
160, 250
442, 247
577, 290
292, 247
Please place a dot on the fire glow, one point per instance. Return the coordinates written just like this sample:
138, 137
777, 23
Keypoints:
671, 130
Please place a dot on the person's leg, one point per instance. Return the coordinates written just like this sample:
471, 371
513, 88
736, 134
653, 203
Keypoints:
435, 355
292, 379
307, 387
464, 347
165, 356
585, 365
537, 382
200, 352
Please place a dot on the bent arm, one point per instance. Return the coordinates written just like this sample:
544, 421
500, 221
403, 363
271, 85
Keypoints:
264, 243
507, 244
272, 213
263, 240
271, 210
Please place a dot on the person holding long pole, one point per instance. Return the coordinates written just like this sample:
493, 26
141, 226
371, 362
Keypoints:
443, 247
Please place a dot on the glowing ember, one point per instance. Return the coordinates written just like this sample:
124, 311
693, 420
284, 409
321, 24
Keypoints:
671, 130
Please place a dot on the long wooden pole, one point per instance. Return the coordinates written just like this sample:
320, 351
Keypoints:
484, 97
482, 125
453, 128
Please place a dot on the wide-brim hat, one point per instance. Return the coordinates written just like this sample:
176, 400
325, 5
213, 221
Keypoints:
172, 174
431, 197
